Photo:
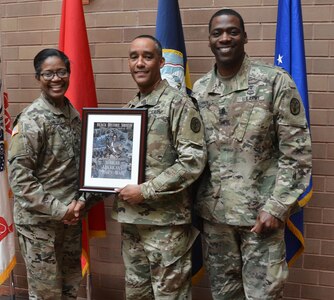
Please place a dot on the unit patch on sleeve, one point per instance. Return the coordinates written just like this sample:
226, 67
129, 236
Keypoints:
295, 106
195, 125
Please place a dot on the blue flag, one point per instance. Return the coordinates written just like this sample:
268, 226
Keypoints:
290, 55
169, 32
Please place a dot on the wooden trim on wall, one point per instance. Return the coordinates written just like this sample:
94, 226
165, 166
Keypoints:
84, 2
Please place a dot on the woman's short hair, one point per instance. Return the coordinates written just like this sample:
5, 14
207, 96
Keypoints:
49, 52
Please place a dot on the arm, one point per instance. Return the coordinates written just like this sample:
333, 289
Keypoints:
24, 159
187, 139
294, 147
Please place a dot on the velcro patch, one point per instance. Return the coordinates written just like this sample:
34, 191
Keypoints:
295, 106
195, 124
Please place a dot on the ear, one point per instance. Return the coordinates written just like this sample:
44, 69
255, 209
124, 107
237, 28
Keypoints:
162, 62
245, 37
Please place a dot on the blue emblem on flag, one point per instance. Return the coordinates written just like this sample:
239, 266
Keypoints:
173, 70
169, 32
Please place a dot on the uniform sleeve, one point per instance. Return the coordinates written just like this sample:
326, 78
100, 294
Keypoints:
24, 159
187, 132
294, 142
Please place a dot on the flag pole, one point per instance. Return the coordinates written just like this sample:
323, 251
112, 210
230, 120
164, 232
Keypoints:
73, 40
88, 284
12, 286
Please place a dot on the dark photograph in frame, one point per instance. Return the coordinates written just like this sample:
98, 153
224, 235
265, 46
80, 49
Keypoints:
113, 144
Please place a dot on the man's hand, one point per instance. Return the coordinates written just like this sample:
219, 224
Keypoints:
131, 193
74, 212
70, 212
265, 223
78, 209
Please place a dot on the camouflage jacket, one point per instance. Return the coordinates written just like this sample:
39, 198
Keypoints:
44, 162
258, 141
175, 157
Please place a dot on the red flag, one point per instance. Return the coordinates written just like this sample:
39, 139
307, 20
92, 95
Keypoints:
73, 41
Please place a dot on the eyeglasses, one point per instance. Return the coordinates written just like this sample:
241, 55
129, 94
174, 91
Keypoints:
48, 75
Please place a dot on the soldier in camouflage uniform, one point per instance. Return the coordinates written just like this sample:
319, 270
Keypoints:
259, 162
43, 174
156, 215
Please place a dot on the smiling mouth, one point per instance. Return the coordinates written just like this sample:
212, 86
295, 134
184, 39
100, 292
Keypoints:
141, 74
225, 49
56, 88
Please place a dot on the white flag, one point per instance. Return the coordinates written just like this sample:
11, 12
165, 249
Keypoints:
7, 242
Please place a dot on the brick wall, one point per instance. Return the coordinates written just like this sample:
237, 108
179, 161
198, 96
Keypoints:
28, 26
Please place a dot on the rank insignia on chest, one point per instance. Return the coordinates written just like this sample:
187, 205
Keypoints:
295, 106
195, 124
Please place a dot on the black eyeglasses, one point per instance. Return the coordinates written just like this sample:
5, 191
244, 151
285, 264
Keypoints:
48, 75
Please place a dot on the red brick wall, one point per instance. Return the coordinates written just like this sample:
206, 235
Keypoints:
28, 26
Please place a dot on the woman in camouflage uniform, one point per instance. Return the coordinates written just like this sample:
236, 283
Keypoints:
43, 174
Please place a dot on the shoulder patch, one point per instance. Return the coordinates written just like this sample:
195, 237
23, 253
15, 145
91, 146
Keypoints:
195, 125
295, 106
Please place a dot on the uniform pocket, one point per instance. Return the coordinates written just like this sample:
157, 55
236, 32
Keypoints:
254, 126
59, 142
159, 145
240, 130
277, 266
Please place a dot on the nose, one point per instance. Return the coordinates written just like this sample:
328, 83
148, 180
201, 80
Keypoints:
224, 37
55, 77
140, 62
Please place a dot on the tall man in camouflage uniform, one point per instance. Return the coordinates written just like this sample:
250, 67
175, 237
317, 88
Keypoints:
259, 162
156, 215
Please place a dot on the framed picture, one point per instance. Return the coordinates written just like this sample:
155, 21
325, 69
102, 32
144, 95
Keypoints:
113, 142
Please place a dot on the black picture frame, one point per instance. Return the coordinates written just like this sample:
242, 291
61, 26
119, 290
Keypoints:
113, 146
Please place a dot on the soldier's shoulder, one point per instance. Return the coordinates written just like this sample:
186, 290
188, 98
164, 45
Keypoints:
36, 109
203, 81
268, 68
176, 95
34, 113
269, 73
173, 92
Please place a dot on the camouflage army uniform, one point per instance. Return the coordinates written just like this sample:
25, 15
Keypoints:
259, 158
157, 234
43, 174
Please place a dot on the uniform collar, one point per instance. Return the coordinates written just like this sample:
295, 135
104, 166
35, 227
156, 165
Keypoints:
152, 98
57, 111
236, 83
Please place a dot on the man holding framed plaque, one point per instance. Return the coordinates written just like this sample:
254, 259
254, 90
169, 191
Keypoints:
156, 215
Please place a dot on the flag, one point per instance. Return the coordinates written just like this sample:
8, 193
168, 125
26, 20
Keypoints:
73, 41
169, 32
7, 238
290, 55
